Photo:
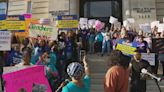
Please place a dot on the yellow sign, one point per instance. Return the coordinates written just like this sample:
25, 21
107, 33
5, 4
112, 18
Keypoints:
3, 25
67, 24
126, 49
15, 25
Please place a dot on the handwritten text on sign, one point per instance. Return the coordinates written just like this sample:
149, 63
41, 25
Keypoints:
5, 41
126, 49
48, 32
27, 79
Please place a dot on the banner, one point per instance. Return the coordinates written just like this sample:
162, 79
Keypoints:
43, 31
15, 23
31, 79
158, 45
149, 57
5, 41
128, 50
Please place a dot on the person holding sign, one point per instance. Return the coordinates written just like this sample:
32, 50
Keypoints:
138, 82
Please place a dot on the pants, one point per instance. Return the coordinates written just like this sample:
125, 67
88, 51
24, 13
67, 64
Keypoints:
138, 85
91, 47
106, 46
99, 47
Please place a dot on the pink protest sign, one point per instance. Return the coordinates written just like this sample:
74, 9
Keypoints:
31, 79
99, 25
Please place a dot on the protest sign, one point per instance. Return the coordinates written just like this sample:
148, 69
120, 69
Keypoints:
149, 57
154, 23
126, 23
91, 23
146, 28
67, 22
99, 25
160, 27
16, 23
112, 20
5, 41
3, 22
83, 21
131, 20
158, 45
126, 49
43, 31
27, 22
117, 25
29, 79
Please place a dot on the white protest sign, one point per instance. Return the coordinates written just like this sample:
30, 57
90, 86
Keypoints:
43, 31
131, 20
126, 23
160, 27
149, 57
83, 21
154, 23
91, 22
146, 28
117, 25
5, 40
112, 20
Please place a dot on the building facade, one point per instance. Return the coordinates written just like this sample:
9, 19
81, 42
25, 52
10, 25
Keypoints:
143, 11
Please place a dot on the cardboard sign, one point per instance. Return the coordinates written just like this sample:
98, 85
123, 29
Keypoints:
117, 25
128, 50
154, 23
160, 27
43, 32
112, 20
31, 79
5, 41
149, 57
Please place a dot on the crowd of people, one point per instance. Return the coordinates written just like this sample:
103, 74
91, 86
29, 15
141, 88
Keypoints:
62, 57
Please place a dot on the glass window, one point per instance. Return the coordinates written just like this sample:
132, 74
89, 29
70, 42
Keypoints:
98, 9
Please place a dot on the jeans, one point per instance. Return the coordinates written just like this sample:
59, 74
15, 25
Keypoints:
106, 46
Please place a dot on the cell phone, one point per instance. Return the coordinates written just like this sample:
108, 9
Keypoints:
82, 54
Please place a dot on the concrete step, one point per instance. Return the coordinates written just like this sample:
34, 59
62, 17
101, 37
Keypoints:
97, 87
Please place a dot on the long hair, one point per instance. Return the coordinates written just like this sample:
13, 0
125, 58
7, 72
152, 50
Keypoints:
118, 58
